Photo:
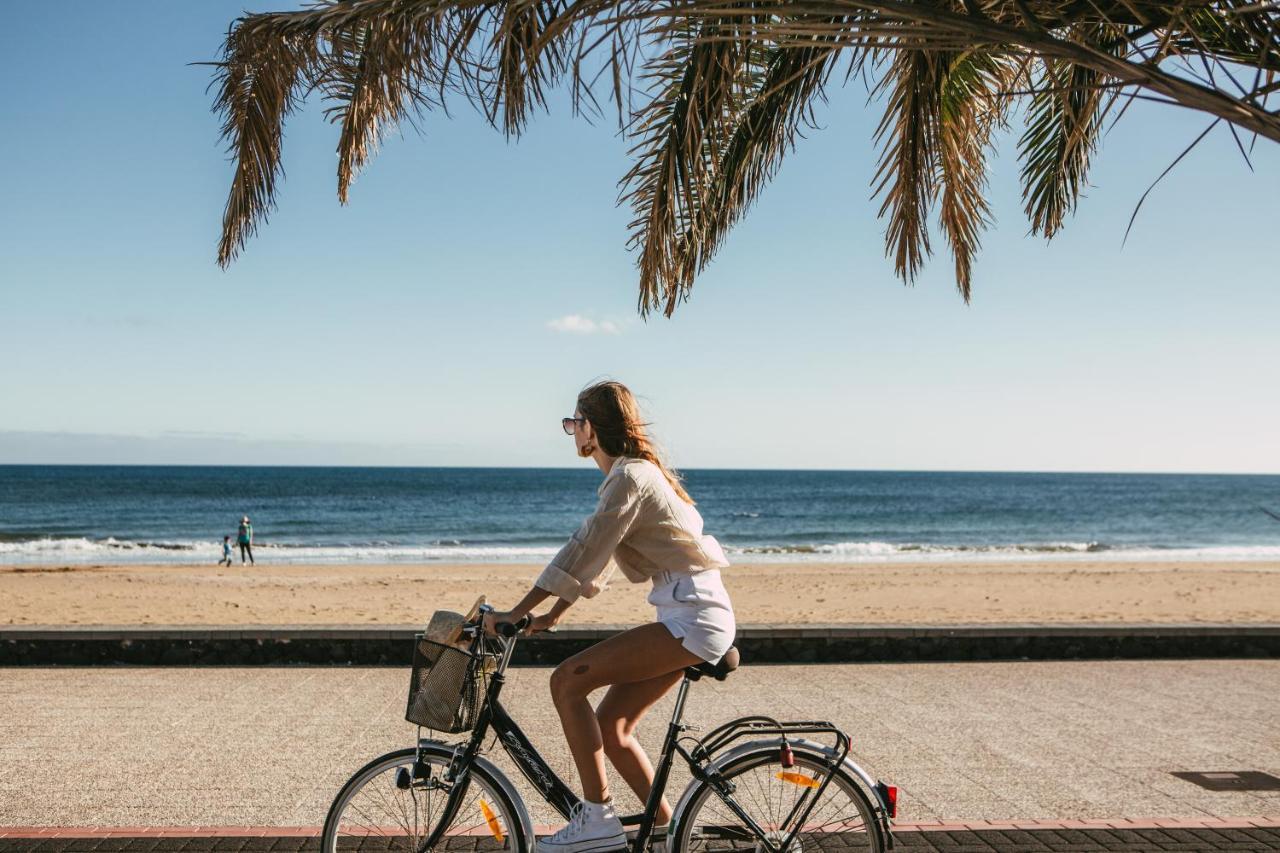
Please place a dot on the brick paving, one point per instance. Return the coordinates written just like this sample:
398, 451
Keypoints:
1115, 836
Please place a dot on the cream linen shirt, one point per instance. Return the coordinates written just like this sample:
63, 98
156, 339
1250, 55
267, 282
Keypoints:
640, 525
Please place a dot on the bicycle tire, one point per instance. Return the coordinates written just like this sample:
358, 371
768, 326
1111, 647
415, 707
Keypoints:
705, 824
355, 824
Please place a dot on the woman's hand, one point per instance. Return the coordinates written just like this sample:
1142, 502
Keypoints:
493, 617
544, 622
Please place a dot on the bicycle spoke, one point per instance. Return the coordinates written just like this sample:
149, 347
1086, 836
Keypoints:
797, 805
377, 816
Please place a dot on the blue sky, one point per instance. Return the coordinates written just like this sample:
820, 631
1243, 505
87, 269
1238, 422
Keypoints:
425, 323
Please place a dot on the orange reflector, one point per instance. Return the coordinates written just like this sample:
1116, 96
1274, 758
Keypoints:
492, 820
797, 779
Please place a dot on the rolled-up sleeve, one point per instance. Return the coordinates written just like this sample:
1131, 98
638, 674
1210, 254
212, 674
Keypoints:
572, 572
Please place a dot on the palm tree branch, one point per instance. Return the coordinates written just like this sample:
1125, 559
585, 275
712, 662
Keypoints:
971, 108
697, 85
260, 75
907, 173
702, 157
760, 136
1061, 134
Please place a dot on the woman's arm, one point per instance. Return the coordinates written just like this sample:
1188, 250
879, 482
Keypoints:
557, 610
532, 599
574, 570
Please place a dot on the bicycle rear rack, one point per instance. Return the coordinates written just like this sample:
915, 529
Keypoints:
720, 737
884, 799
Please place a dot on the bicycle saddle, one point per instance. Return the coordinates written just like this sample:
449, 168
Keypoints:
718, 671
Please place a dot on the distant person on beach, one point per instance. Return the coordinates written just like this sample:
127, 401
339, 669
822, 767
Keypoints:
244, 538
645, 524
226, 551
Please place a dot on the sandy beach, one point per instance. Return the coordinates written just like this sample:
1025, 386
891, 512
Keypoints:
359, 594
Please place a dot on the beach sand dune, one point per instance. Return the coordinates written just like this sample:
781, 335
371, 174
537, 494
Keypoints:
356, 594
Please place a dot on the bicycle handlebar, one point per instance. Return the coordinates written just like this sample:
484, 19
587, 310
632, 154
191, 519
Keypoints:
510, 629
506, 630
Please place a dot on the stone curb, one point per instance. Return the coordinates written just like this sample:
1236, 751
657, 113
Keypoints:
813, 643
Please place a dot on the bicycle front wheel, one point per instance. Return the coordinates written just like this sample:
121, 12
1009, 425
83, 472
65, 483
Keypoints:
396, 803
775, 799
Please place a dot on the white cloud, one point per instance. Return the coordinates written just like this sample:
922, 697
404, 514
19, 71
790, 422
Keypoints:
577, 324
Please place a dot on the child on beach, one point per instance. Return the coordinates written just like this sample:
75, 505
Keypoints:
226, 551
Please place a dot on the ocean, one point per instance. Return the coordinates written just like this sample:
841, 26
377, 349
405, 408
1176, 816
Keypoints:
106, 514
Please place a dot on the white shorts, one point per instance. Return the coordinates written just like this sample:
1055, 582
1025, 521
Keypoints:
695, 607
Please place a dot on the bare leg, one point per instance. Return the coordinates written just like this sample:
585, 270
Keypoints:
619, 713
640, 654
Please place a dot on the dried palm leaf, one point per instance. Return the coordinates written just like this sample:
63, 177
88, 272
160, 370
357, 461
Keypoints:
764, 131
971, 107
713, 92
1063, 124
908, 170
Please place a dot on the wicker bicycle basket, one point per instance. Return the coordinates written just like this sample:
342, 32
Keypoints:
447, 687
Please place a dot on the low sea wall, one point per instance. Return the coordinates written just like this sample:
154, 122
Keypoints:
392, 645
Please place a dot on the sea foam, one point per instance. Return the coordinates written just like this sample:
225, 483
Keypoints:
81, 550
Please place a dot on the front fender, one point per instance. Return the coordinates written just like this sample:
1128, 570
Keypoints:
500, 778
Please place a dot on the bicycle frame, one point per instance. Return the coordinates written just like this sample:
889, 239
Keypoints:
554, 790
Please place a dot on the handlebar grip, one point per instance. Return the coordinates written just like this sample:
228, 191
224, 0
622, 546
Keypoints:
510, 629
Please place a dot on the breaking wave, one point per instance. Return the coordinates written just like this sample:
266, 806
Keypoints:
110, 550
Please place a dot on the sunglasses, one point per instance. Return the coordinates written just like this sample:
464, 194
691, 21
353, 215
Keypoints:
569, 424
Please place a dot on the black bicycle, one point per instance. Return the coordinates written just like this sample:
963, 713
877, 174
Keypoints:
759, 785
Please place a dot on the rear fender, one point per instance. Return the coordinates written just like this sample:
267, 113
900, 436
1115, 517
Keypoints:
729, 756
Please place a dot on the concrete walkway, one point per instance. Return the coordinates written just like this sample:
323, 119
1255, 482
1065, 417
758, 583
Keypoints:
964, 742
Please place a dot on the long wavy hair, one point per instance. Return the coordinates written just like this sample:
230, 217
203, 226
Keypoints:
615, 417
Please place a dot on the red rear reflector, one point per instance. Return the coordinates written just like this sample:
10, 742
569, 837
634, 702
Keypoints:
891, 794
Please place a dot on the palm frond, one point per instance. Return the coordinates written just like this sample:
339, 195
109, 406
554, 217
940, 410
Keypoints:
908, 135
1063, 123
713, 93
971, 108
752, 151
698, 85
527, 63
261, 74
382, 68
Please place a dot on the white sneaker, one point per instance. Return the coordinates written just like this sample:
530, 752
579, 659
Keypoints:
592, 828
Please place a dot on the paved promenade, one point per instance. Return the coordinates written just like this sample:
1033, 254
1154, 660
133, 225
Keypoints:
267, 747
1236, 837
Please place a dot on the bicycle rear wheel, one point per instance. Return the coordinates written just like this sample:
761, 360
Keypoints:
774, 797
377, 812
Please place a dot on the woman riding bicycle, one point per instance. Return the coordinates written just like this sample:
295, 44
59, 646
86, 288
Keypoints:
644, 523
